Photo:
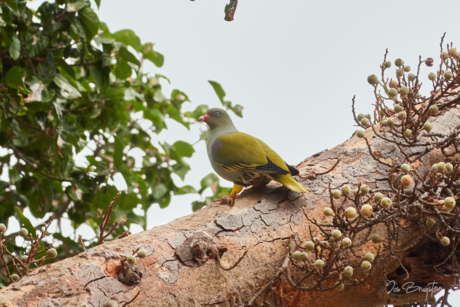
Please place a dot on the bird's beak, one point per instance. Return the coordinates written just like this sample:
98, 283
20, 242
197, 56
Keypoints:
203, 118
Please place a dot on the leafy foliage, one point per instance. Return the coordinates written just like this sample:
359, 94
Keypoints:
237, 109
68, 83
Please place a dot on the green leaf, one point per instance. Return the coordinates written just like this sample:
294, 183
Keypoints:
4, 185
118, 156
67, 90
47, 95
115, 93
13, 4
75, 195
177, 116
15, 78
238, 110
151, 55
136, 219
92, 160
35, 43
184, 149
222, 192
196, 205
104, 28
160, 98
179, 96
45, 72
50, 59
181, 169
101, 75
77, 30
85, 85
186, 189
128, 56
15, 48
102, 168
68, 243
8, 18
40, 118
123, 70
159, 76
25, 222
37, 87
156, 58
106, 196
66, 67
159, 191
58, 110
75, 6
128, 201
209, 181
90, 21
76, 191
129, 38
154, 115
141, 184
164, 202
218, 89
41, 199
4, 127
199, 111
41, 248
128, 175
177, 153
107, 40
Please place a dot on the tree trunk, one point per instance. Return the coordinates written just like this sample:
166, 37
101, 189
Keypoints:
201, 259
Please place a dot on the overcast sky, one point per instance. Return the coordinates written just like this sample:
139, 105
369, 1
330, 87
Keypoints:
294, 65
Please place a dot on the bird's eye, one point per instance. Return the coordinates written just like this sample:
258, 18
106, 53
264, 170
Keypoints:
217, 113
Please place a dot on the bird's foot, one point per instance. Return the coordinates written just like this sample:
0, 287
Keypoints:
228, 200
220, 199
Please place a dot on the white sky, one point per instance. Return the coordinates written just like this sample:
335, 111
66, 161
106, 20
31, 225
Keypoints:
294, 65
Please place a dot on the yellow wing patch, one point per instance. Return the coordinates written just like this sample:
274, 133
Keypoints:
239, 151
237, 167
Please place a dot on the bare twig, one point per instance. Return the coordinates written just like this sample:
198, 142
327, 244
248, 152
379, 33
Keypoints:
232, 266
330, 170
268, 286
80, 239
106, 219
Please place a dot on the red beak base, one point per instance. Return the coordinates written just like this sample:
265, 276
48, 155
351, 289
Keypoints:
203, 118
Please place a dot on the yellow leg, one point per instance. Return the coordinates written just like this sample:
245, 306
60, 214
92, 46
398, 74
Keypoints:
230, 199
236, 190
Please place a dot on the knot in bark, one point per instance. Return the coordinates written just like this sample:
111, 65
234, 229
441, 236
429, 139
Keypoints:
129, 275
197, 249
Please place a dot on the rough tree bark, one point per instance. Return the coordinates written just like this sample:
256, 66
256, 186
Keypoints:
261, 223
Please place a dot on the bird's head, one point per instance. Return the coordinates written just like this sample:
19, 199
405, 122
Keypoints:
216, 117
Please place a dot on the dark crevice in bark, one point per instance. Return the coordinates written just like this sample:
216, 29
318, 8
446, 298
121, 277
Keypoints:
99, 278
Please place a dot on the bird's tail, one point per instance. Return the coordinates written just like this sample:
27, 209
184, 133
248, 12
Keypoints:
290, 182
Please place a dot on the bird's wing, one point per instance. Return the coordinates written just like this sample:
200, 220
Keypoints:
238, 151
286, 179
275, 159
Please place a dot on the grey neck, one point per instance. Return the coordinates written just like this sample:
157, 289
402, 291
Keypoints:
216, 132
